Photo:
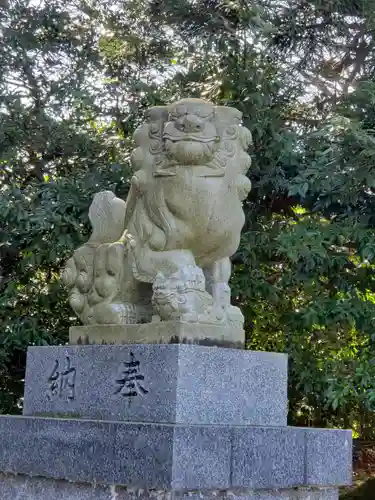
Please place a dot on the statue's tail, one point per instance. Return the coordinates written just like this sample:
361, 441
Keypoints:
93, 274
107, 215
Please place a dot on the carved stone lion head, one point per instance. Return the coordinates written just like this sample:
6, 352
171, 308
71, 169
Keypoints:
190, 135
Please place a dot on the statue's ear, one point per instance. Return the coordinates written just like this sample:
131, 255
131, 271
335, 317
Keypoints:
225, 117
157, 113
245, 137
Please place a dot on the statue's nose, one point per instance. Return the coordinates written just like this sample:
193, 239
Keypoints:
190, 124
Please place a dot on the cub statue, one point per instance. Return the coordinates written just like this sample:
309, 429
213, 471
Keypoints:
164, 254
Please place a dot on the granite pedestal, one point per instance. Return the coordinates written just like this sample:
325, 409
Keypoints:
188, 384
116, 422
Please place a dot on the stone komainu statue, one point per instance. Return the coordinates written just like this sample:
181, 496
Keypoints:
165, 253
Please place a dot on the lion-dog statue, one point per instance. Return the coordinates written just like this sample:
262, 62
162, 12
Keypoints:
164, 254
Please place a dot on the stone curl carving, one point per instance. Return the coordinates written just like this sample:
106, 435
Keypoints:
165, 253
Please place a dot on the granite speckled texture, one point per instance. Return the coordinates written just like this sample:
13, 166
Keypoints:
202, 457
166, 456
163, 332
57, 448
282, 451
35, 488
176, 383
322, 446
142, 455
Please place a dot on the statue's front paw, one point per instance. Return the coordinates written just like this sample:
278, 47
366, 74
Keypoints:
112, 314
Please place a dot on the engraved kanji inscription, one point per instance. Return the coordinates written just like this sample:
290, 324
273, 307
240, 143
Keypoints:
62, 382
130, 381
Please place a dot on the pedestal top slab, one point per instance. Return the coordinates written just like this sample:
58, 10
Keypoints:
168, 383
162, 332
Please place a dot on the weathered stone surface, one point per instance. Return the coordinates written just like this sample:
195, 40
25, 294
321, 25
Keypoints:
57, 448
22, 487
329, 455
143, 455
151, 456
178, 383
202, 457
163, 332
165, 253
268, 458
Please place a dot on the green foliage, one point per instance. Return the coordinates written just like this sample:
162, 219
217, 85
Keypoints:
54, 155
75, 80
364, 490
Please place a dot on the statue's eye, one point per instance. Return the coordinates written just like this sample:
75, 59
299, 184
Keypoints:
204, 111
181, 111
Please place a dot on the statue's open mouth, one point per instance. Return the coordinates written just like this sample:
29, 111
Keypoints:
190, 138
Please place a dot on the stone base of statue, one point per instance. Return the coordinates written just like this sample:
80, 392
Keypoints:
155, 396
137, 421
161, 332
